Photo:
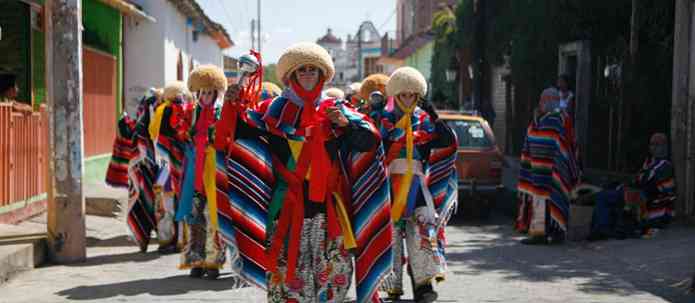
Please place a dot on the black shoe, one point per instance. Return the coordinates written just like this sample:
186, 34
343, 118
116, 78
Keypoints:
166, 250
557, 240
596, 237
196, 273
212, 274
143, 248
535, 241
427, 297
395, 296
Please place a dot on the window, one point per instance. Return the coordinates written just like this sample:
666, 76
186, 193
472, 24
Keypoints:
179, 67
470, 133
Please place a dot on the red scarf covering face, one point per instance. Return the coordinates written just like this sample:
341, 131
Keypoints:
316, 122
315, 159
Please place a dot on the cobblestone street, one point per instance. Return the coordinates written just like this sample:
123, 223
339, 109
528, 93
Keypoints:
486, 264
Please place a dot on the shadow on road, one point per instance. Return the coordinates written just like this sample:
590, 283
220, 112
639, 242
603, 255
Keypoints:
169, 286
133, 257
611, 267
117, 241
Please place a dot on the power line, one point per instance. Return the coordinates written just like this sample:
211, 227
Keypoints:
227, 15
393, 13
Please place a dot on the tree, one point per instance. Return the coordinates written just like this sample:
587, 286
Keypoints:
270, 76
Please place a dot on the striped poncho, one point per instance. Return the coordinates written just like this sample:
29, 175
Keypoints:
253, 187
658, 186
134, 155
549, 173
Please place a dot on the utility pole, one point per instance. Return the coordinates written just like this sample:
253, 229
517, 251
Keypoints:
253, 34
681, 109
66, 210
359, 53
259, 26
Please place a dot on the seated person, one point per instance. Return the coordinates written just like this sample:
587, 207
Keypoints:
8, 87
647, 203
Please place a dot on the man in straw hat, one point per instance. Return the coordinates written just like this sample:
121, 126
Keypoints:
204, 251
373, 87
312, 190
410, 135
133, 166
549, 173
168, 128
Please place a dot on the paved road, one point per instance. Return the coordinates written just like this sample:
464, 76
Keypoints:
486, 264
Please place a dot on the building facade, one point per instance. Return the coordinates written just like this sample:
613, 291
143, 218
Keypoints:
167, 49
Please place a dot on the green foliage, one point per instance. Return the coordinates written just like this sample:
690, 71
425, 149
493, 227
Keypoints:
529, 33
270, 76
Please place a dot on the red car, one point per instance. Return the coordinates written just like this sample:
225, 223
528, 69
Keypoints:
479, 164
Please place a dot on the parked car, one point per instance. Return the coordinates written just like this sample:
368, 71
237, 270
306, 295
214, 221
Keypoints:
479, 164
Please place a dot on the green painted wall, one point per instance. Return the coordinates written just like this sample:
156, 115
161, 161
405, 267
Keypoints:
422, 59
38, 70
103, 26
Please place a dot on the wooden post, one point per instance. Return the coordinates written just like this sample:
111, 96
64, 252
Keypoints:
680, 104
66, 210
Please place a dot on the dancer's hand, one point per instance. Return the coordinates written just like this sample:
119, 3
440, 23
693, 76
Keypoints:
232, 93
336, 116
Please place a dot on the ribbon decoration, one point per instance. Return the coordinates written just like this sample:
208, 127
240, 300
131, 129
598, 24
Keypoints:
209, 179
248, 98
404, 123
156, 122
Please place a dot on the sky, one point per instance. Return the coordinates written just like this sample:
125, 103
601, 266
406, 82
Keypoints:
285, 22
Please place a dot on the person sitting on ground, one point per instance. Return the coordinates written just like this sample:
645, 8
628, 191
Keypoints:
8, 87
652, 194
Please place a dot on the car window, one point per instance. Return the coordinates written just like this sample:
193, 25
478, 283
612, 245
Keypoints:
471, 134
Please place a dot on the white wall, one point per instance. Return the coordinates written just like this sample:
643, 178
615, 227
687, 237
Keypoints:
152, 50
176, 38
206, 51
143, 56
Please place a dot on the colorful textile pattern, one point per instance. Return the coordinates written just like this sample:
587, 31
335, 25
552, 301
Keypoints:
658, 185
252, 186
422, 132
423, 254
124, 150
371, 221
549, 172
143, 173
175, 124
323, 275
203, 247
442, 181
243, 219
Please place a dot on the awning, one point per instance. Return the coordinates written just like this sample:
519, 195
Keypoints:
129, 9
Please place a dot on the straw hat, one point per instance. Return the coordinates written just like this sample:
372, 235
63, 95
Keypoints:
174, 89
355, 87
335, 92
305, 53
375, 82
270, 90
207, 78
406, 79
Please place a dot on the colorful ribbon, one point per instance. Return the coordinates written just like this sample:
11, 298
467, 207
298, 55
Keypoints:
156, 122
404, 123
